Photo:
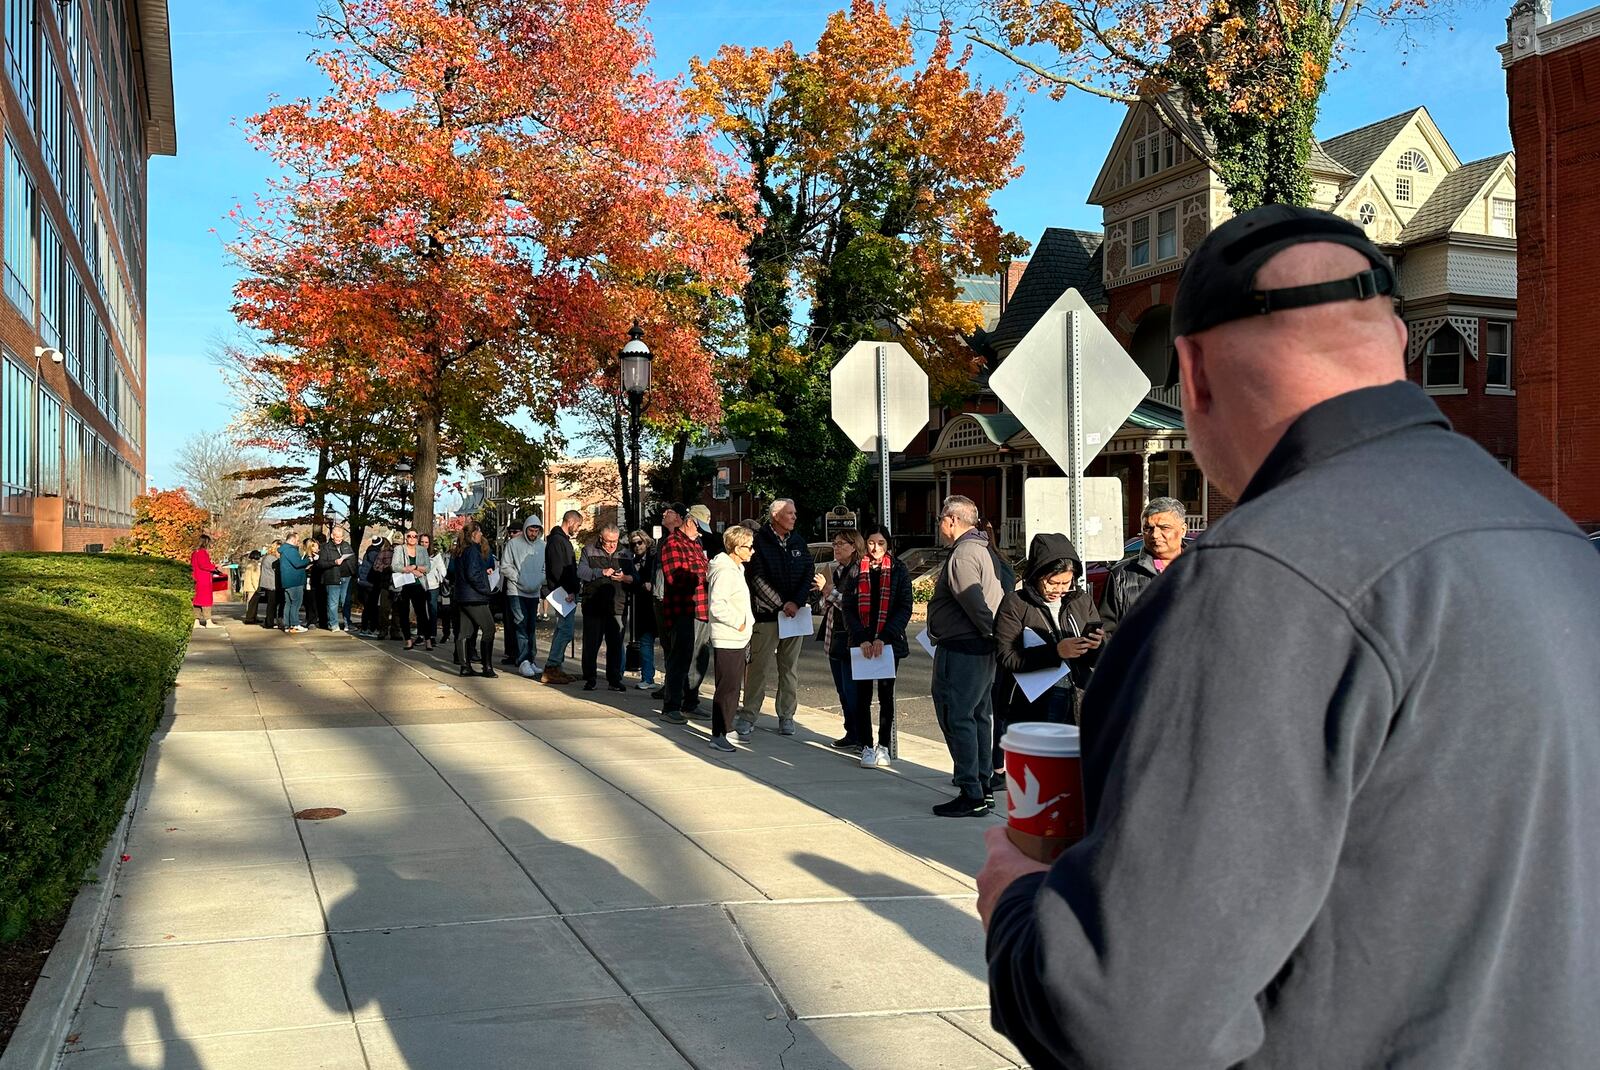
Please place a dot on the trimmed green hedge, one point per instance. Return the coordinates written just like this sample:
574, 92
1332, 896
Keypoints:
89, 646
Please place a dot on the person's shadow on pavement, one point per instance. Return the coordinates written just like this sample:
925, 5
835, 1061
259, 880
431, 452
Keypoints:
936, 924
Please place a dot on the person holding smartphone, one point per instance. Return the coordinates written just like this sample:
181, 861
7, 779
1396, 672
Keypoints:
1049, 621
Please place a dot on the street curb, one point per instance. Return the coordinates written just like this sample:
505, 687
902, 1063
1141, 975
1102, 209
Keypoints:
40, 1037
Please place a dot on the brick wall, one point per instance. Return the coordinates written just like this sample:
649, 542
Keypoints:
1125, 304
1555, 130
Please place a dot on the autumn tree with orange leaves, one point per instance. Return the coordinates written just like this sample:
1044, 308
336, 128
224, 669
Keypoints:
485, 198
874, 170
1251, 71
166, 523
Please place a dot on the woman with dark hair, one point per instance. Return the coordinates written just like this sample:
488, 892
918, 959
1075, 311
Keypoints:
877, 610
469, 587
371, 578
204, 573
833, 586
1044, 624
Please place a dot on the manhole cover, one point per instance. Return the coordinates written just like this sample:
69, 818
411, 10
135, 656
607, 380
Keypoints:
318, 813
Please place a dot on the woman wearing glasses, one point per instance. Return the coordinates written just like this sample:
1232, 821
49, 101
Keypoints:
411, 562
1049, 622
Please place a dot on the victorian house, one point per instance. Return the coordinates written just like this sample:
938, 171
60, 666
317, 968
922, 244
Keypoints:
1449, 226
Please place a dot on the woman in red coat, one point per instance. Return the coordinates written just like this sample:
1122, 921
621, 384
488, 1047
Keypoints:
204, 572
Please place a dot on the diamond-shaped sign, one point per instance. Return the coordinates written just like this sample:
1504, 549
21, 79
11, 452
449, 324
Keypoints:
1032, 381
854, 384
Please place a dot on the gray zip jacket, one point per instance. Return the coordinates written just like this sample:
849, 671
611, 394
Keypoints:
1342, 767
966, 597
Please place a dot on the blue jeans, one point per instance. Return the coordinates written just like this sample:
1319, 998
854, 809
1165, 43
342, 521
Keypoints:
962, 685
347, 598
647, 658
292, 598
560, 640
523, 611
846, 686
433, 613
335, 596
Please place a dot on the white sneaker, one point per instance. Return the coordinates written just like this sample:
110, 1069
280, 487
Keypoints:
526, 669
642, 686
883, 757
869, 757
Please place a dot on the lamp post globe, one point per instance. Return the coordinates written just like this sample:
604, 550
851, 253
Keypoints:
636, 359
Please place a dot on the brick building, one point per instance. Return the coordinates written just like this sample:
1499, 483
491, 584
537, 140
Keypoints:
87, 100
1553, 80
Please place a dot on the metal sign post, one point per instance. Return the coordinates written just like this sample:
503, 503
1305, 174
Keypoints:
883, 438
1072, 381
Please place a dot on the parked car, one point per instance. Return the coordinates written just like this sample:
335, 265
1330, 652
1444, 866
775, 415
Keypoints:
1099, 570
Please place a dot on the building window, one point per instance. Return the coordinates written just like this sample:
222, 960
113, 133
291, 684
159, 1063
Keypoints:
72, 468
1141, 242
1412, 160
1368, 214
1167, 234
1155, 150
16, 439
19, 50
19, 233
49, 283
1497, 356
49, 443
1503, 218
1402, 189
1441, 361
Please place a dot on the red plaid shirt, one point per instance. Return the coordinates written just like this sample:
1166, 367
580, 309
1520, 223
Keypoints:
683, 564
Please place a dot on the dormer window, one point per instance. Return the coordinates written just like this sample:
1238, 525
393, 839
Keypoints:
1402, 189
1412, 160
1155, 149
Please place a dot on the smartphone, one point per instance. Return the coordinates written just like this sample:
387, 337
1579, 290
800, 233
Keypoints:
1093, 628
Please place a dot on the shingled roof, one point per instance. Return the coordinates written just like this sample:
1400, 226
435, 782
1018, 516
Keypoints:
1359, 149
1450, 198
1063, 260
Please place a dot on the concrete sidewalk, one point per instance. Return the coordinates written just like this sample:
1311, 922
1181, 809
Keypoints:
524, 877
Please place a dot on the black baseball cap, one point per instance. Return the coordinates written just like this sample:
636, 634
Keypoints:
1218, 282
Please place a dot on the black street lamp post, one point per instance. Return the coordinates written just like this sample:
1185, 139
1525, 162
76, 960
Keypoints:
636, 382
635, 359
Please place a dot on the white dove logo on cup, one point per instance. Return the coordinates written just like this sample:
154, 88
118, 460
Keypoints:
1025, 802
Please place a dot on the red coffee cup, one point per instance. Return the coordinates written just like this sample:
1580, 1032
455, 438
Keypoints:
1044, 788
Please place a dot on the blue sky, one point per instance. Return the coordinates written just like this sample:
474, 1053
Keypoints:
229, 59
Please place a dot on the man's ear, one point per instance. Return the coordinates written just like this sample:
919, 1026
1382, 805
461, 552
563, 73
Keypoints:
1192, 376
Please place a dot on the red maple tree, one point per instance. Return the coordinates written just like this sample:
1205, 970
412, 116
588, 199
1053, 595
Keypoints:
489, 193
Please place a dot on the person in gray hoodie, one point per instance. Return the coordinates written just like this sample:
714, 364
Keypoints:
522, 564
966, 597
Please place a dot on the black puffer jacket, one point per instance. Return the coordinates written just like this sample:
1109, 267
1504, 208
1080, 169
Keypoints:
1026, 609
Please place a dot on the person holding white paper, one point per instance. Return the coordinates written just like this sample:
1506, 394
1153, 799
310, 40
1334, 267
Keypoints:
877, 608
780, 577
732, 622
1049, 624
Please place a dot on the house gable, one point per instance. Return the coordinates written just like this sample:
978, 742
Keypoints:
1407, 167
1162, 153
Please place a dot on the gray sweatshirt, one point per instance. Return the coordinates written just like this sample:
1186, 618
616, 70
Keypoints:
1342, 767
966, 597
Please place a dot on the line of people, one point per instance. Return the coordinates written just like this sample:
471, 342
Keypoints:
726, 605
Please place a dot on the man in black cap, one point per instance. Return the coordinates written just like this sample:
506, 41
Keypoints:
1341, 771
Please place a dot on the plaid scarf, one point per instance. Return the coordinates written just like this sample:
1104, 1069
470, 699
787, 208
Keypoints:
864, 591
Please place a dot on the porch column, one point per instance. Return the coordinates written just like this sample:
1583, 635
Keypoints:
1005, 510
1144, 464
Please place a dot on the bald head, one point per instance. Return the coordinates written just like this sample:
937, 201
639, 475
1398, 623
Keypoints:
1245, 381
